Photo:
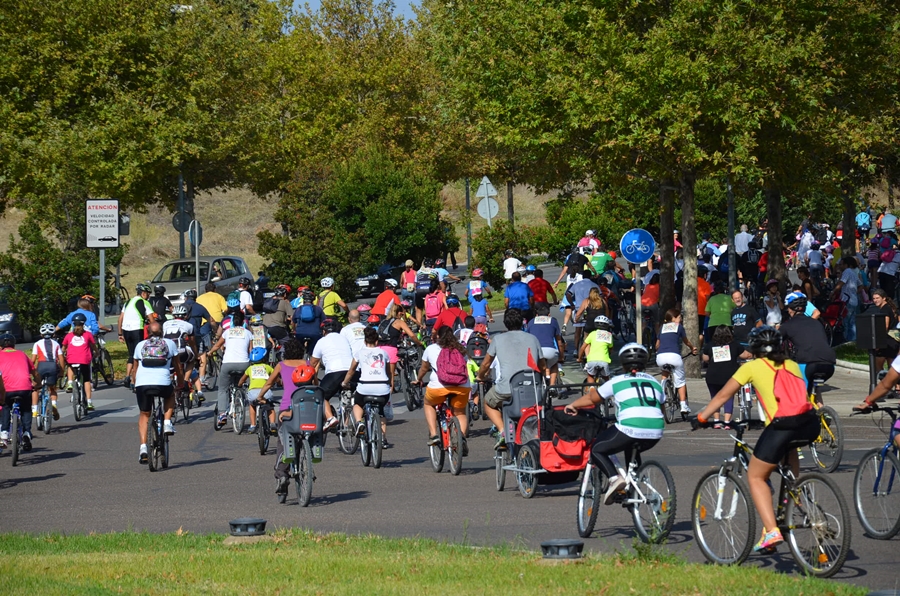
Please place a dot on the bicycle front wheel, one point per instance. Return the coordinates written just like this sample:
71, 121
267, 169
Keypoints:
654, 513
348, 442
377, 442
589, 500
436, 452
454, 449
153, 444
818, 525
186, 404
723, 518
876, 494
14, 438
76, 401
163, 446
501, 458
304, 475
828, 447
365, 452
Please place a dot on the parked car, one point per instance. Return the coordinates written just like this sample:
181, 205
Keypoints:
372, 285
9, 321
180, 275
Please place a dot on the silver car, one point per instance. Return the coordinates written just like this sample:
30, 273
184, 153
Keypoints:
180, 275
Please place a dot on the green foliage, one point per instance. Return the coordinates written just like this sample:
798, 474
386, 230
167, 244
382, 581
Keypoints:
489, 247
347, 221
44, 276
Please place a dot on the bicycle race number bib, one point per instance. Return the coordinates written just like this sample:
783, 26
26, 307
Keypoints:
721, 353
604, 337
669, 328
542, 320
258, 371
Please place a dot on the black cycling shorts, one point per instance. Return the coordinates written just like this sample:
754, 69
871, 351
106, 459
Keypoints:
775, 442
331, 383
132, 339
360, 400
83, 371
610, 441
146, 393
49, 371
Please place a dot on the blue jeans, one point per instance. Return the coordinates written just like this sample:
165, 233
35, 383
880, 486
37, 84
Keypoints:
850, 322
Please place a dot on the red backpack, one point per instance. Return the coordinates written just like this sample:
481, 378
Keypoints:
451, 368
790, 394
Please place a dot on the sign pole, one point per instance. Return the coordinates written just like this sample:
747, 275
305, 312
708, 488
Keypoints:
102, 282
181, 213
468, 226
193, 234
638, 315
637, 247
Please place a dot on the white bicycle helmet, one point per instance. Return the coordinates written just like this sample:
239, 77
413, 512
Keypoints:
47, 329
603, 322
327, 282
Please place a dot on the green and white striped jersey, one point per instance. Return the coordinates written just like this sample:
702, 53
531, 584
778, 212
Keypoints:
638, 398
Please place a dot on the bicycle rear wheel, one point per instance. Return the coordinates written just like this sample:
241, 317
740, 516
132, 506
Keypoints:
262, 430
409, 390
723, 518
454, 449
528, 460
14, 441
654, 518
303, 477
671, 410
501, 458
76, 401
876, 494
238, 409
818, 525
365, 452
589, 500
436, 452
106, 368
377, 442
163, 445
828, 447
153, 444
348, 442
47, 408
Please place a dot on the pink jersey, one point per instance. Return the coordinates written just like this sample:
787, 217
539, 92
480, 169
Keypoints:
16, 369
78, 348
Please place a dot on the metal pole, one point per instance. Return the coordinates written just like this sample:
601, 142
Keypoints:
509, 202
732, 261
195, 248
102, 309
118, 288
638, 315
468, 226
180, 214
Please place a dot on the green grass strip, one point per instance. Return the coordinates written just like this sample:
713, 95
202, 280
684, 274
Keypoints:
299, 562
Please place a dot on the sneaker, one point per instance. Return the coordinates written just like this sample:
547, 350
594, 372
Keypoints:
330, 423
685, 408
385, 444
434, 440
90, 407
769, 541
69, 387
200, 397
143, 457
281, 485
564, 328
273, 431
168, 427
4, 436
717, 424
26, 441
222, 421
500, 445
616, 484
360, 429
55, 412
252, 429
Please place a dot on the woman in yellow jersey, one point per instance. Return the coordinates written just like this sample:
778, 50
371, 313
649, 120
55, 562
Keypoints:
775, 442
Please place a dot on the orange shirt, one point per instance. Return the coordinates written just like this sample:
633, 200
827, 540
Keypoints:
704, 290
650, 295
382, 302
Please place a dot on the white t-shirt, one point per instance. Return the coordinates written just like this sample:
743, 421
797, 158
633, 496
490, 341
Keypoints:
176, 329
354, 334
850, 278
373, 372
742, 242
38, 348
246, 299
431, 357
154, 375
237, 345
510, 266
334, 352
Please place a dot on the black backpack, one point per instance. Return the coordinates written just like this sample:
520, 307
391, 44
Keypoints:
753, 256
384, 331
259, 297
270, 305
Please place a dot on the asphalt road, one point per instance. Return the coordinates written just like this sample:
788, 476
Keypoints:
85, 477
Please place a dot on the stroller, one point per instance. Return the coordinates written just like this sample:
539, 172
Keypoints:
833, 320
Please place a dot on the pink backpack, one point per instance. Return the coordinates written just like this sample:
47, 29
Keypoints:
451, 368
433, 305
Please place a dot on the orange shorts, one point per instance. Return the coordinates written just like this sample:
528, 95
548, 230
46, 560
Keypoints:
458, 397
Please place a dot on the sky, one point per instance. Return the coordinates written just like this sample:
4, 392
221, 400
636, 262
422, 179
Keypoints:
403, 7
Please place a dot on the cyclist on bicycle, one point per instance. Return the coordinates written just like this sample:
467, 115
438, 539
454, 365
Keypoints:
258, 373
78, 348
135, 314
668, 351
443, 275
307, 319
478, 286
236, 341
546, 329
19, 378
437, 392
205, 326
781, 434
46, 356
331, 303
451, 316
181, 332
639, 418
375, 377
162, 306
334, 353
811, 349
594, 352
277, 313
434, 303
154, 377
293, 372
245, 291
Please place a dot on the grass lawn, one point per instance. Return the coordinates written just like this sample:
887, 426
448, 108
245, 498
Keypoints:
851, 353
298, 562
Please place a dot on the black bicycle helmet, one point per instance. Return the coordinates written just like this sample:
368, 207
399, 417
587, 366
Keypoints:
764, 340
796, 301
633, 356
281, 291
159, 290
79, 319
427, 263
7, 340
142, 288
245, 281
331, 325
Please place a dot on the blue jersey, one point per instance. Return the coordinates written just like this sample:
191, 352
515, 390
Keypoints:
90, 324
479, 307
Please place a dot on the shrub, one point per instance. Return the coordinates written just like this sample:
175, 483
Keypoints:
489, 247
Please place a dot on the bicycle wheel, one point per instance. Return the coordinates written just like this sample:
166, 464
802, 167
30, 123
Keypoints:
95, 373
348, 442
828, 447
501, 458
163, 446
875, 496
818, 525
481, 391
185, 405
527, 463
14, 441
671, 406
238, 409
106, 368
152, 444
304, 476
76, 401
47, 407
409, 395
454, 449
655, 515
723, 518
589, 500
365, 453
262, 430
829, 333
377, 442
436, 452
212, 372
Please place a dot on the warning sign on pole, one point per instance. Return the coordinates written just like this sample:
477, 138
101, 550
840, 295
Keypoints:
102, 223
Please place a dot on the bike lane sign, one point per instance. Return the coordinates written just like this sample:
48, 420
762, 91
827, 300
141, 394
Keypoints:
637, 246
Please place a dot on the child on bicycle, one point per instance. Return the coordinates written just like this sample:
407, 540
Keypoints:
595, 350
258, 372
78, 348
639, 418
782, 433
46, 356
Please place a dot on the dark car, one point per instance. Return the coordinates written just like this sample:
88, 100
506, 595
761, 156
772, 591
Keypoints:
372, 285
107, 239
9, 321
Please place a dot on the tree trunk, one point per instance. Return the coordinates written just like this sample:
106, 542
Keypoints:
776, 268
509, 203
666, 247
689, 248
848, 241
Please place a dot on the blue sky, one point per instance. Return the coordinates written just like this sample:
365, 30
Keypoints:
403, 7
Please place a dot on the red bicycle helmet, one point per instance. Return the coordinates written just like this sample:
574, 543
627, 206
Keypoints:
303, 375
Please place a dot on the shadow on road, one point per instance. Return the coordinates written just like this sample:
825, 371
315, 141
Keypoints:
338, 498
11, 482
76, 426
200, 462
403, 462
41, 455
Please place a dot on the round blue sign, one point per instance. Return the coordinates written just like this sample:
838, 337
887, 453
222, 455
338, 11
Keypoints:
637, 246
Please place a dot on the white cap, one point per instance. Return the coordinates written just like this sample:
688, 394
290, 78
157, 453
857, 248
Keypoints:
589, 233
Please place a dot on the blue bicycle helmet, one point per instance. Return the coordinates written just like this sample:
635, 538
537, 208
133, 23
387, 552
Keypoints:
296, 302
796, 301
530, 268
233, 302
452, 300
257, 354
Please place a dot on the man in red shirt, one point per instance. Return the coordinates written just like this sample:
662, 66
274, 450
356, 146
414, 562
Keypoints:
449, 315
389, 296
78, 348
541, 287
18, 380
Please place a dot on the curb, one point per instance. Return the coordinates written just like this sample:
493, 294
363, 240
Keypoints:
852, 365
